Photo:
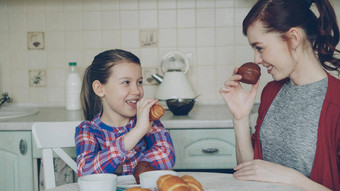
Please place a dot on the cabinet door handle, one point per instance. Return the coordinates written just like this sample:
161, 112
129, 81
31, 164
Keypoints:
23, 146
210, 150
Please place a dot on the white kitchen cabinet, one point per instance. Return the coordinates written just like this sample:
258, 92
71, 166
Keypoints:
16, 166
204, 148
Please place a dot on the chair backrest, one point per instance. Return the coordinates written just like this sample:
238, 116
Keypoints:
53, 136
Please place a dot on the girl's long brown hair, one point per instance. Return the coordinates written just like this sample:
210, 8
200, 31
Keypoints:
100, 70
281, 15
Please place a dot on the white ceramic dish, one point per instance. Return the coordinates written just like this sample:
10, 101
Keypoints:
102, 182
149, 179
126, 181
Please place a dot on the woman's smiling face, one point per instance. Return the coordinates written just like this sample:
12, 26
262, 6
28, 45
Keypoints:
271, 51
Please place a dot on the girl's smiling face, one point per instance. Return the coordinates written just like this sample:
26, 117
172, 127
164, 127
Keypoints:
123, 90
271, 51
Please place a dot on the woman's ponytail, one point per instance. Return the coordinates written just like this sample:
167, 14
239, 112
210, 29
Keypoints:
328, 37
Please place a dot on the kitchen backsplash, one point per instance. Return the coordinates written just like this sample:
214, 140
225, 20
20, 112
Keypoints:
39, 37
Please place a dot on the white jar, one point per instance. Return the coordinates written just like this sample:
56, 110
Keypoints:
73, 87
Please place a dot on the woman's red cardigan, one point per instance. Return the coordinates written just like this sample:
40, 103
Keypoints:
326, 167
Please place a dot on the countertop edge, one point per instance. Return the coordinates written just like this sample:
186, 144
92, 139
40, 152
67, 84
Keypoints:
202, 116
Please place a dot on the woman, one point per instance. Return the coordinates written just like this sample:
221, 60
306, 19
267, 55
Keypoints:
297, 137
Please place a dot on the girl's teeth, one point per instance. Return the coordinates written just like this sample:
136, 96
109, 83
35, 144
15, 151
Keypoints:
131, 101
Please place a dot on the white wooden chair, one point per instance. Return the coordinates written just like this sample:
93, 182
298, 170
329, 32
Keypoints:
53, 136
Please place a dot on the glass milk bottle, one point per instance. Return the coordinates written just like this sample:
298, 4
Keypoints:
73, 86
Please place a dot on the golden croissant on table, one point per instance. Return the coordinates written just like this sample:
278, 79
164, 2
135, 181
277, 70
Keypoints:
174, 183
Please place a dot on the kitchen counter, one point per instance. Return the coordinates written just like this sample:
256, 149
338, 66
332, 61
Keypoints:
201, 116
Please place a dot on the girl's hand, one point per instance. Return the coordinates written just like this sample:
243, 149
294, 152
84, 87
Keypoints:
143, 125
143, 110
238, 100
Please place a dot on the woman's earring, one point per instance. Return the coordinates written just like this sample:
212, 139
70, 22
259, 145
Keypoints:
101, 95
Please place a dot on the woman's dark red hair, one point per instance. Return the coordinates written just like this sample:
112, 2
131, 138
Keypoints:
281, 15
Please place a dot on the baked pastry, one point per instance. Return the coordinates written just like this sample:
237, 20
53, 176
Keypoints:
172, 183
250, 73
156, 112
142, 166
192, 183
137, 189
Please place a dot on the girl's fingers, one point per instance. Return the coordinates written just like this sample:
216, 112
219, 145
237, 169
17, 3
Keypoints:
152, 102
140, 102
146, 102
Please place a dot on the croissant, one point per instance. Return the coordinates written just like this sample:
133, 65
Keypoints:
137, 189
156, 112
192, 183
172, 183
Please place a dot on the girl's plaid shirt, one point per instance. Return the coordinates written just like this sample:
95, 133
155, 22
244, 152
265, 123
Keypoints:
100, 148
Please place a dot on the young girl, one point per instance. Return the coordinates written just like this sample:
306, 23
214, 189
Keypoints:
297, 137
117, 133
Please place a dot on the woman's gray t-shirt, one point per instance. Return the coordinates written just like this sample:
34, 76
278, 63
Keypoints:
289, 130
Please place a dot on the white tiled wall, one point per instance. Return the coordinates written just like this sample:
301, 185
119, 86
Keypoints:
77, 30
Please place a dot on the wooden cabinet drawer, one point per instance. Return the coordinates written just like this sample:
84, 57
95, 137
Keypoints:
204, 148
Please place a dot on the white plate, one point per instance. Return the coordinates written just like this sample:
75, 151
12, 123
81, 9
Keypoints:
126, 181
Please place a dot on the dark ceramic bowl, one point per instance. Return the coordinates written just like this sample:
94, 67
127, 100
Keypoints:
180, 106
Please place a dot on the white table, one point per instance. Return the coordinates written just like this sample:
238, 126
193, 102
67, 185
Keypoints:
215, 182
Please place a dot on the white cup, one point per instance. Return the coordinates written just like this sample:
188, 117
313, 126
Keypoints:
149, 179
95, 182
